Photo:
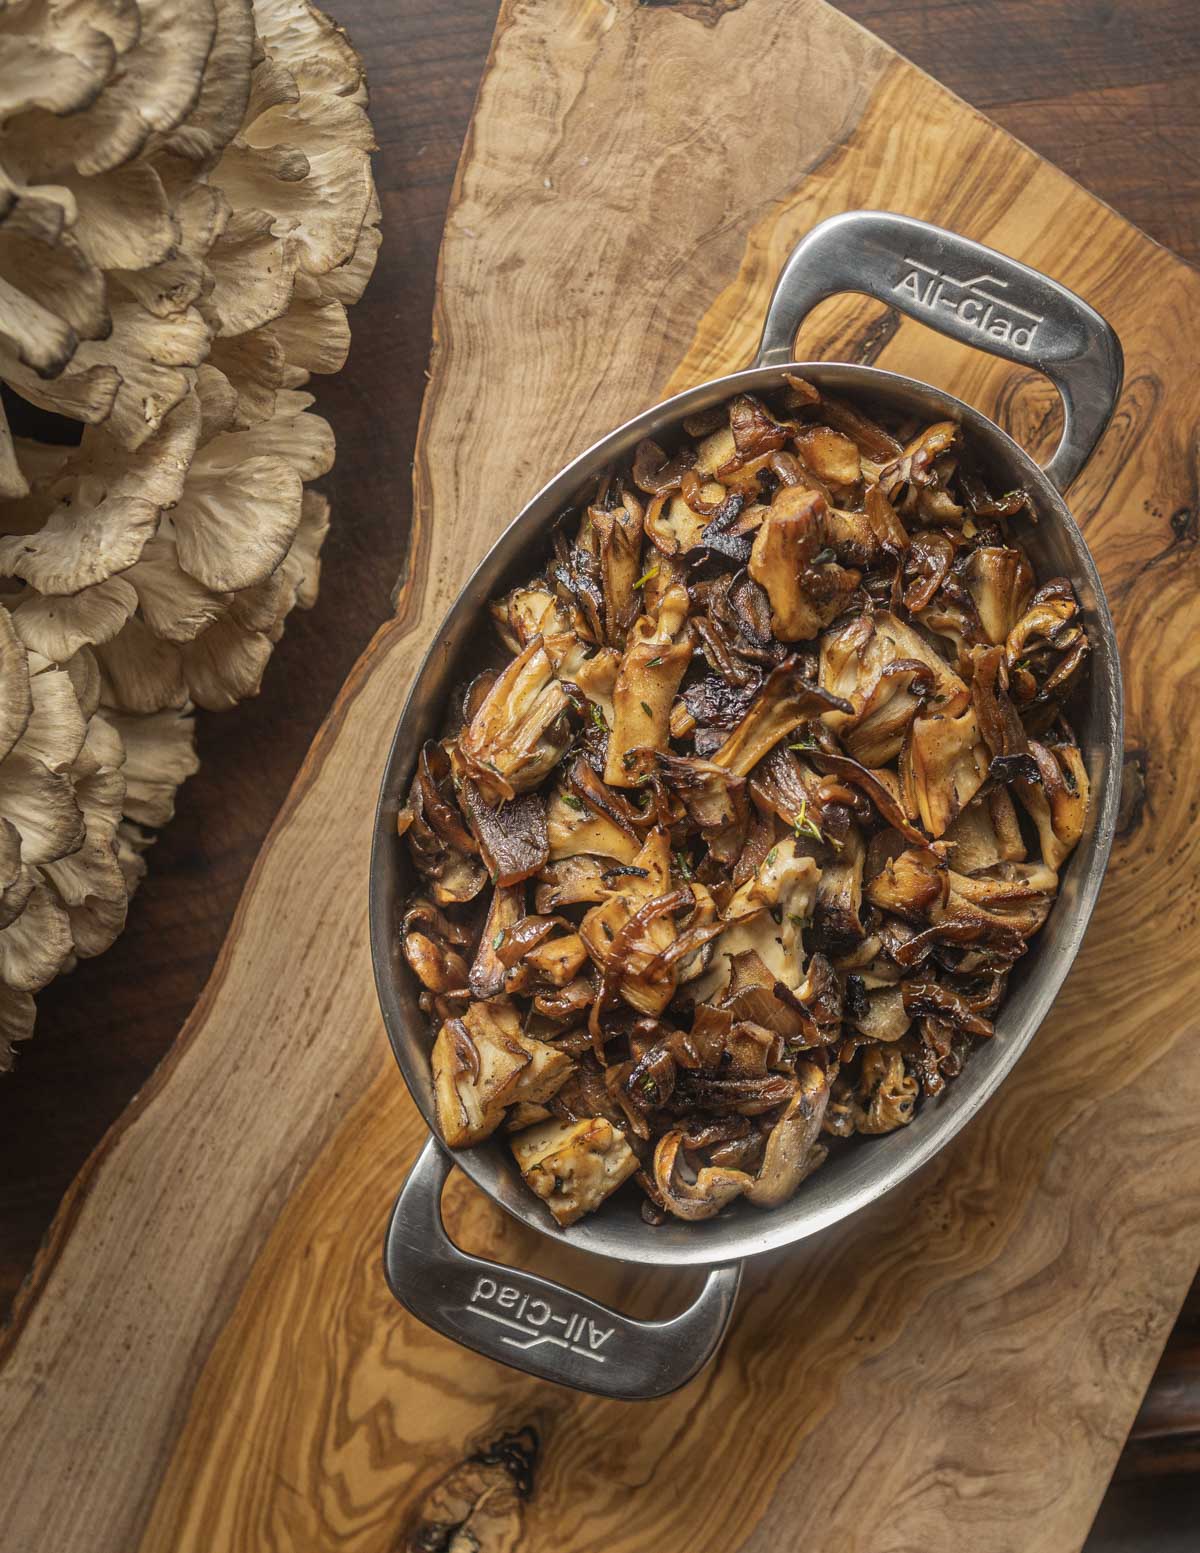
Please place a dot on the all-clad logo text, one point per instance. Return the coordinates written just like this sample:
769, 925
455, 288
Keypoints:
536, 1320
976, 301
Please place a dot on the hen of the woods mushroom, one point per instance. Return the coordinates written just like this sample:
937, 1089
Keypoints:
732, 857
186, 208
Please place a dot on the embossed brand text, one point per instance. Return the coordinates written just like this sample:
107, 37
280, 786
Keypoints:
978, 301
535, 1320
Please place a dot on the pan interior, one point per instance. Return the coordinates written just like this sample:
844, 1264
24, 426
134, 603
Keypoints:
855, 1176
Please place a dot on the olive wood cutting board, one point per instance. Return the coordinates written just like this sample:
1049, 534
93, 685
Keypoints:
207, 1357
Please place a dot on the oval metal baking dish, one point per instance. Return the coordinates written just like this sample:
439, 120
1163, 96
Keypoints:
980, 298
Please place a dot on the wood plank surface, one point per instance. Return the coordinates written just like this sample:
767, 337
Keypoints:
207, 1356
1106, 92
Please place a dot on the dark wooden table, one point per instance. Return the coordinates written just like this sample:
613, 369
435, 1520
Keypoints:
1105, 89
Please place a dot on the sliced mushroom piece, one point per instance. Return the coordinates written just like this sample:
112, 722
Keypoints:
885, 1017
568, 1005
653, 666
526, 1113
618, 536
572, 828
890, 534
558, 960
1057, 802
626, 934
676, 521
1046, 648
851, 536
931, 999
915, 885
805, 594
715, 800
887, 1093
831, 455
767, 915
575, 880
785, 700
753, 428
875, 784
574, 1166
793, 1148
943, 765
717, 453
1000, 580
441, 970
519, 733
512, 836
442, 847
1014, 898
700, 1197
654, 473
482, 1063
887, 672
868, 436
999, 726
836, 919
986, 833
903, 479
505, 910
596, 676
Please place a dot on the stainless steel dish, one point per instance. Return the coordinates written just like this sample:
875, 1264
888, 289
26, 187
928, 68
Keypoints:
976, 296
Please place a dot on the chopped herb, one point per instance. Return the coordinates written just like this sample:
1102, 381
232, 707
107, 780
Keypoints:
646, 709
628, 760
822, 556
608, 932
771, 856
498, 940
807, 743
646, 576
1022, 664
654, 663
804, 826
649, 1087
797, 921
570, 798
685, 867
598, 716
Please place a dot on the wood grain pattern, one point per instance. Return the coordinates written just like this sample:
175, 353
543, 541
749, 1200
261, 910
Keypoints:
1105, 92
207, 1357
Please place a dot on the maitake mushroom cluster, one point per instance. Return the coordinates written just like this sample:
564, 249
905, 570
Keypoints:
186, 209
733, 856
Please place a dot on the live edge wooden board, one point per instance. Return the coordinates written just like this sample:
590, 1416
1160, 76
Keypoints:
207, 1358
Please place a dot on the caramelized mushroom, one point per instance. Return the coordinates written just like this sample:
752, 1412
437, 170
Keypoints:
747, 786
785, 701
518, 735
574, 1166
654, 663
483, 1063
806, 592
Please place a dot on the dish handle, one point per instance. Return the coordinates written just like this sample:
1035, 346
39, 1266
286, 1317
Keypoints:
535, 1325
968, 292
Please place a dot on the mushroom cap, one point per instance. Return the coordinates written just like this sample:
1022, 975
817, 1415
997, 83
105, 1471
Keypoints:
160, 754
173, 173
94, 512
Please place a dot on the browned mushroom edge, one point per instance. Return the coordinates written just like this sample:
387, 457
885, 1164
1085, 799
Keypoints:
732, 857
